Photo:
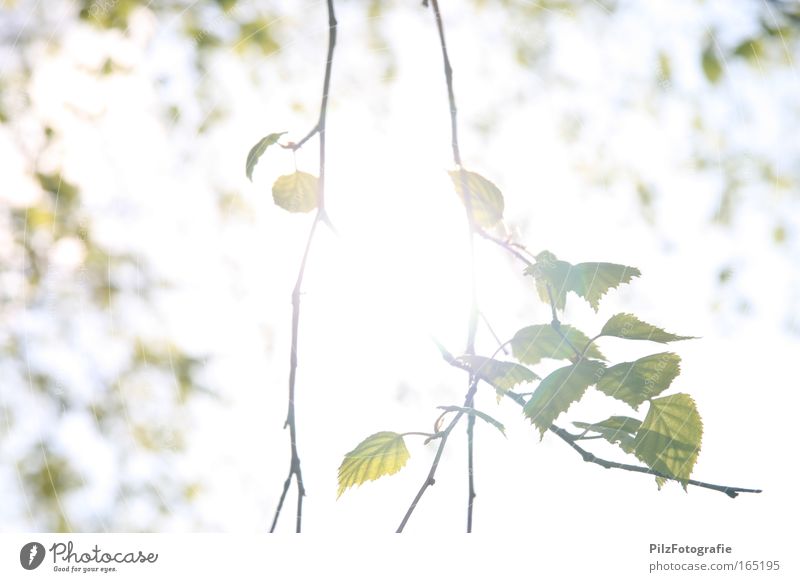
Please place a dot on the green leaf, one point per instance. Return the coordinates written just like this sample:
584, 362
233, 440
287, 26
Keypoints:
296, 192
486, 199
383, 453
588, 280
473, 412
502, 375
257, 150
751, 49
627, 326
533, 343
670, 437
619, 430
635, 382
711, 64
556, 393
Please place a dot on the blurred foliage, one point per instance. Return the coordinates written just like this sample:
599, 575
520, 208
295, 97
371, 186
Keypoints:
59, 217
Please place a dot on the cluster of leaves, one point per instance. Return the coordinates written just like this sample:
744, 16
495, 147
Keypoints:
667, 440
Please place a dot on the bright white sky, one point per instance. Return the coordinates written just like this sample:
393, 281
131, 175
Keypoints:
398, 271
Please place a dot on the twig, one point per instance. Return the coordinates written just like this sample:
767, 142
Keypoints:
473, 316
590, 458
291, 419
429, 480
502, 345
507, 246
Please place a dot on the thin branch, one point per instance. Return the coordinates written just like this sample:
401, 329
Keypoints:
509, 246
294, 146
590, 458
429, 480
319, 127
570, 439
470, 403
291, 418
473, 315
494, 335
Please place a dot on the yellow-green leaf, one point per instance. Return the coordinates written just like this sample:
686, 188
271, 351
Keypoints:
486, 199
670, 437
588, 280
712, 67
635, 382
556, 393
533, 343
383, 453
619, 430
296, 192
502, 375
257, 150
627, 326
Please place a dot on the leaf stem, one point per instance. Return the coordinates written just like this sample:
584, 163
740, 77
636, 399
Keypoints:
589, 343
430, 435
291, 417
556, 324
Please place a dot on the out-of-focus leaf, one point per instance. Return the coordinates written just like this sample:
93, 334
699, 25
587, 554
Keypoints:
486, 199
712, 67
670, 437
533, 343
556, 393
751, 49
383, 453
257, 151
619, 430
296, 192
627, 326
635, 382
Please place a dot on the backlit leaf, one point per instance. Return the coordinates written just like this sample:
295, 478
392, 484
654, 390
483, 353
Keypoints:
482, 415
383, 453
670, 436
533, 343
257, 150
627, 326
486, 199
751, 49
588, 280
635, 382
712, 67
296, 192
502, 375
619, 430
556, 393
